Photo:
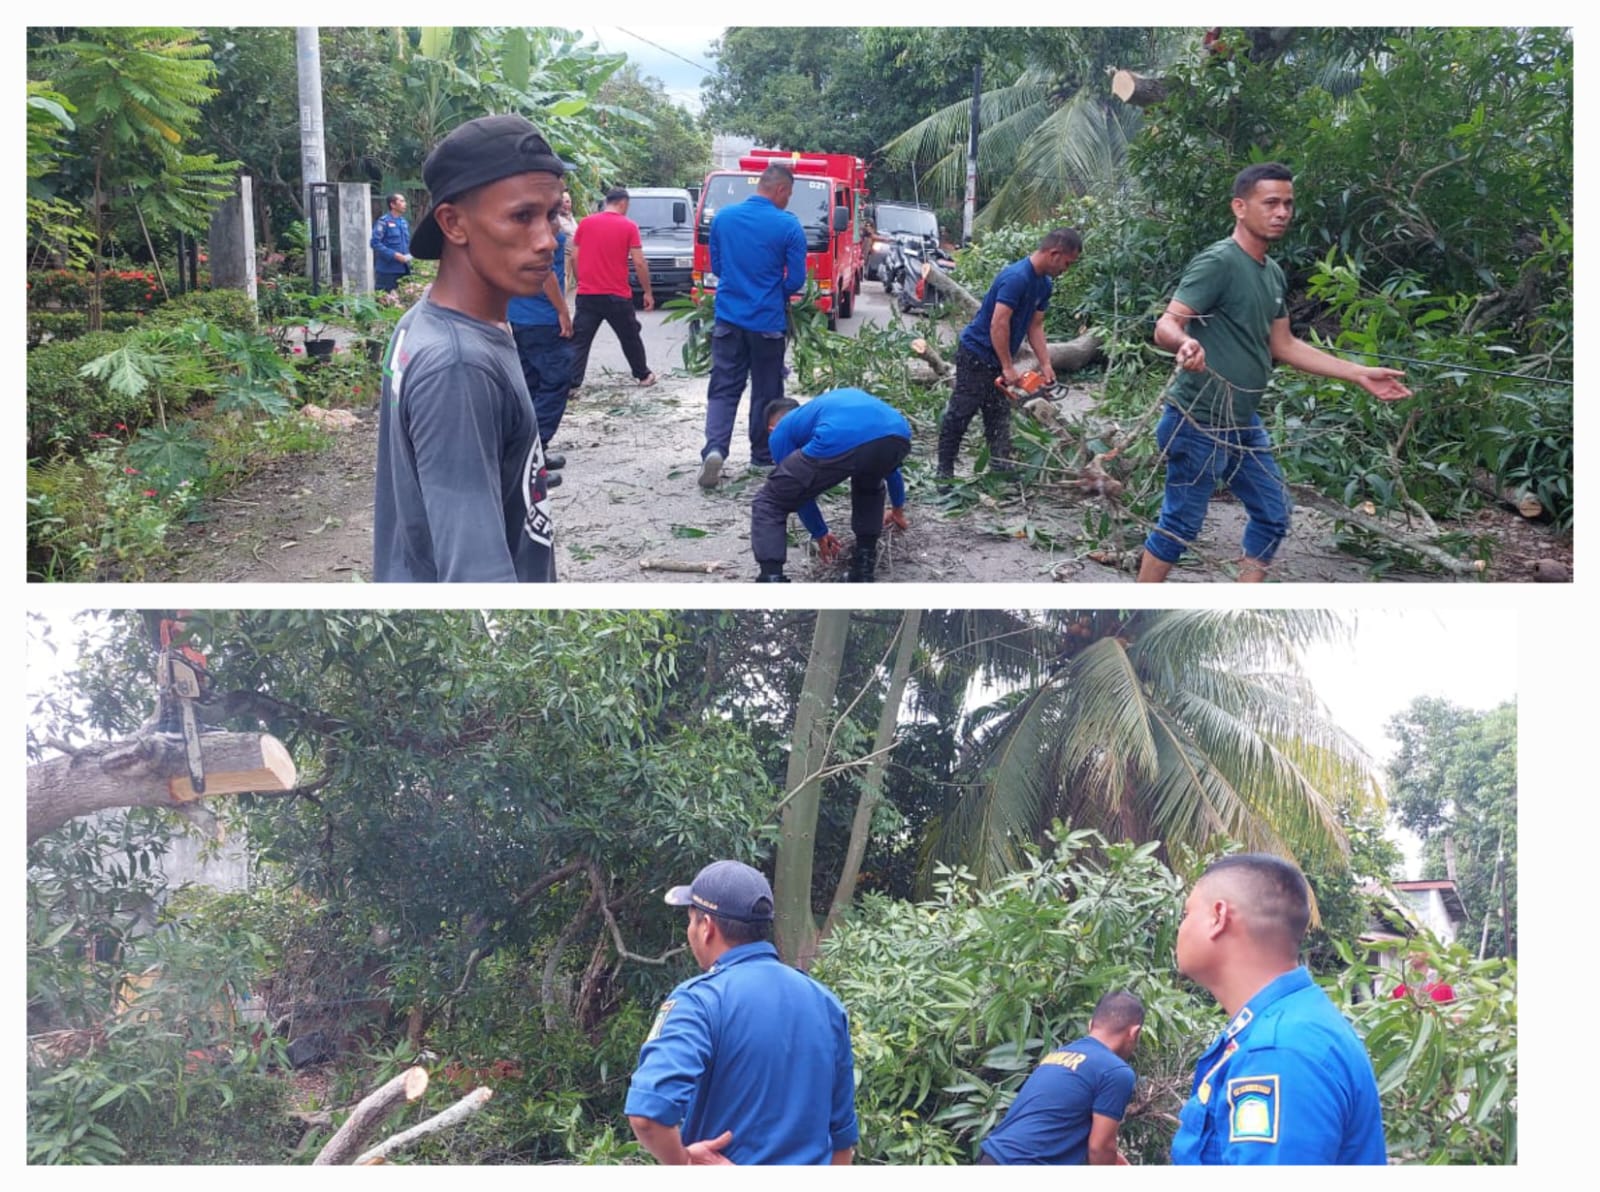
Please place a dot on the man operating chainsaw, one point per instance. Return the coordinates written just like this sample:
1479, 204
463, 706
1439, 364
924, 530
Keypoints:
1012, 310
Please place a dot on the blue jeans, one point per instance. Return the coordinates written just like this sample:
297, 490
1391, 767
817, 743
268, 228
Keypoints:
1199, 459
737, 353
547, 367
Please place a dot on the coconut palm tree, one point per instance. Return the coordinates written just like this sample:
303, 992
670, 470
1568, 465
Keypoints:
1188, 727
1054, 132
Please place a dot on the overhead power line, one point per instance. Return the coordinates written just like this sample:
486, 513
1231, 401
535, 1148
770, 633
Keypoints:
664, 50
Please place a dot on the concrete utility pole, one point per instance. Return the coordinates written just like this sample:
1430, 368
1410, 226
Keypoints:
313, 162
971, 205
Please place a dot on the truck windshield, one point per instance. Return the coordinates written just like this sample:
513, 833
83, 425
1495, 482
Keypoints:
809, 203
906, 219
654, 212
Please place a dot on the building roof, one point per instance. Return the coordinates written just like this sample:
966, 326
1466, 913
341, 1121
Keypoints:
1453, 905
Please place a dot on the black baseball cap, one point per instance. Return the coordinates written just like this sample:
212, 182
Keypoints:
731, 889
474, 154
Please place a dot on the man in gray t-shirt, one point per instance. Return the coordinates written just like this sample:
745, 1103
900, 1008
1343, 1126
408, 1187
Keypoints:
461, 479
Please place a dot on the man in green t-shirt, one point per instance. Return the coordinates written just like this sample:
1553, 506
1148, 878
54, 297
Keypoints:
1228, 324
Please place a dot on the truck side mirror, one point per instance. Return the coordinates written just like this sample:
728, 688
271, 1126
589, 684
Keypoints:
680, 212
841, 218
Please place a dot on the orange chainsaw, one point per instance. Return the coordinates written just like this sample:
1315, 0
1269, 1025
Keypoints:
1029, 385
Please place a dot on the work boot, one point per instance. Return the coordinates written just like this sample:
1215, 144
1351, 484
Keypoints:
949, 448
710, 469
551, 480
555, 463
772, 573
863, 562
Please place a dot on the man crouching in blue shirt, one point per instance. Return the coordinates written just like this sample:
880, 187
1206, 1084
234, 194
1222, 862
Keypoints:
1071, 1106
749, 1062
843, 434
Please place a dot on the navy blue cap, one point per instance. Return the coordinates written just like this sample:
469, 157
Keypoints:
475, 154
731, 889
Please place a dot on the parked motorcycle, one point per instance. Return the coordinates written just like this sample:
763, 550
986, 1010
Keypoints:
906, 268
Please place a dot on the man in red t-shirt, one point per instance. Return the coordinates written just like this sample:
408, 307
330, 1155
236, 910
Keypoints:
601, 248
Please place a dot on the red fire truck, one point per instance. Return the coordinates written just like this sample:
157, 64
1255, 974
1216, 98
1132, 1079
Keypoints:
829, 191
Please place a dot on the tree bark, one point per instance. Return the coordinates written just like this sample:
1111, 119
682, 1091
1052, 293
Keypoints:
1066, 356
928, 351
872, 780
367, 1116
1141, 91
457, 1113
1311, 498
796, 929
149, 770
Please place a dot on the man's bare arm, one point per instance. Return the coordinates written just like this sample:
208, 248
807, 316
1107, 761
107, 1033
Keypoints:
642, 268
1103, 1140
843, 1158
1383, 383
1172, 333
1000, 340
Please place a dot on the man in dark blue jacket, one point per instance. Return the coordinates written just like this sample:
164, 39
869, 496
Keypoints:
1012, 310
542, 327
758, 252
749, 1062
1070, 1108
845, 434
391, 245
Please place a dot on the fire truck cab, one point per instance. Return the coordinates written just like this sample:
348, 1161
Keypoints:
829, 192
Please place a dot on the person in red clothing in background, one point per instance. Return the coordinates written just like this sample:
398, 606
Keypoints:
1436, 991
602, 247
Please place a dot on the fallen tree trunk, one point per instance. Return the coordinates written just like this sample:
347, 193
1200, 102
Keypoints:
1066, 356
947, 285
367, 1116
925, 350
1312, 499
1139, 90
150, 770
1520, 499
443, 1120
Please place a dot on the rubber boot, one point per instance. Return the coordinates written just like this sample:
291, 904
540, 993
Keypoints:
772, 573
863, 562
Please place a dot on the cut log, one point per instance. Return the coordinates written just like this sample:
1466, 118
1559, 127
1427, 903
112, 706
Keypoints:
1551, 571
457, 1113
150, 770
949, 286
1312, 499
1068, 356
680, 565
1520, 499
924, 350
367, 1116
1138, 90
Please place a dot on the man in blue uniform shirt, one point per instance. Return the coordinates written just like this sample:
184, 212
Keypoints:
748, 1063
845, 434
758, 252
1012, 310
391, 245
1071, 1106
1288, 1081
542, 327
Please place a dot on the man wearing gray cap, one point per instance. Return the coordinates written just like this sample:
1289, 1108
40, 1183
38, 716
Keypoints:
462, 487
748, 1063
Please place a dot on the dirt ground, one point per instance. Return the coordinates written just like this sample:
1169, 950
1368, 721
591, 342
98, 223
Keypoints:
629, 498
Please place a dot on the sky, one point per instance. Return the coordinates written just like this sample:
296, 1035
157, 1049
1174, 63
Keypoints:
678, 55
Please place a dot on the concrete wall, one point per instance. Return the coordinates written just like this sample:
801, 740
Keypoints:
232, 243
355, 237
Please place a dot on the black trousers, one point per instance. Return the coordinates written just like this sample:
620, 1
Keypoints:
975, 393
593, 309
799, 479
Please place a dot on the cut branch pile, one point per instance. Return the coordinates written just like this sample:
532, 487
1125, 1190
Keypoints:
348, 1146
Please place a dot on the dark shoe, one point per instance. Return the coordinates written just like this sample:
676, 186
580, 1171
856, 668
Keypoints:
944, 472
863, 562
775, 578
710, 469
555, 462
552, 480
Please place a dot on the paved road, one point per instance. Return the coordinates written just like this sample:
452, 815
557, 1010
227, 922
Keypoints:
663, 341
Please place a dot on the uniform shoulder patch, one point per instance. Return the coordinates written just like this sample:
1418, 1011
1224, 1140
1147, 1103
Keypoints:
661, 1018
1253, 1109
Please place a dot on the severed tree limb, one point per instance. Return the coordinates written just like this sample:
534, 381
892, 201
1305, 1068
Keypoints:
1067, 355
1311, 498
929, 351
1520, 499
680, 565
149, 770
949, 286
1141, 91
369, 1114
443, 1120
